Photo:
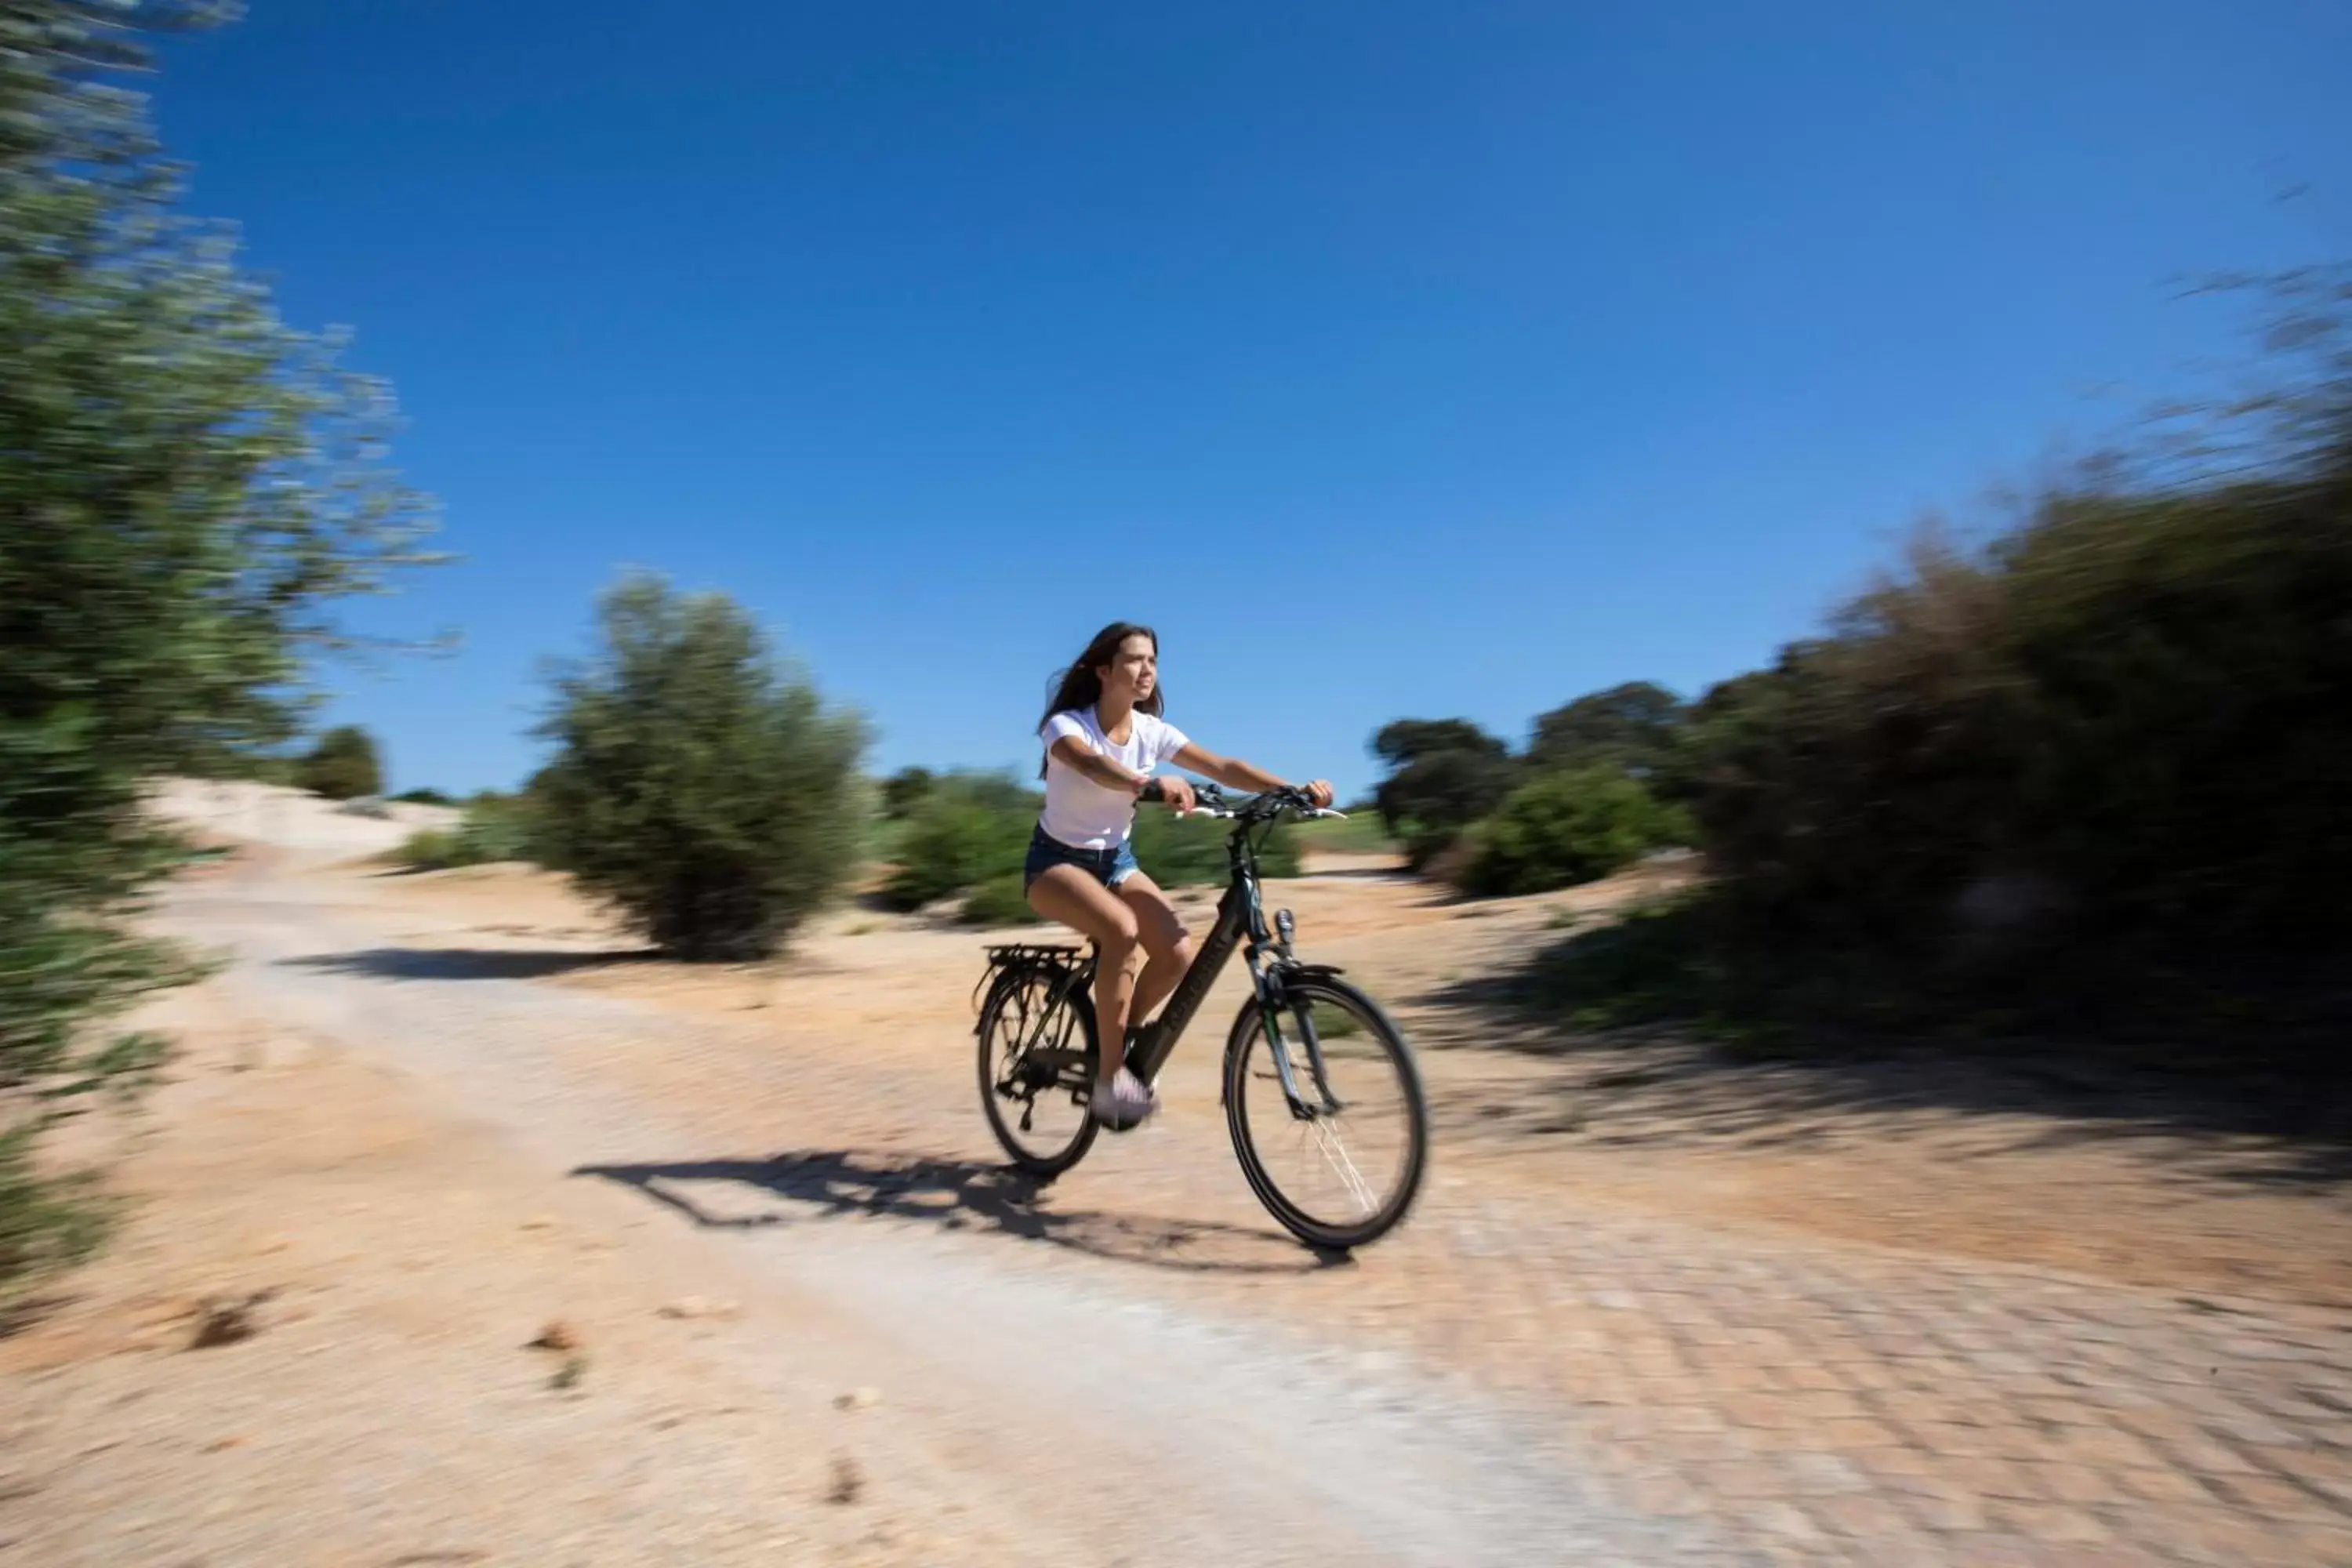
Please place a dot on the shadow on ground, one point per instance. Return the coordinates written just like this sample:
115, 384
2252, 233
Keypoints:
1655, 1086
469, 963
954, 1194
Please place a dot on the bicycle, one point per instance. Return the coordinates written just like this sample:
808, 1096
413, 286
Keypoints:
1303, 1031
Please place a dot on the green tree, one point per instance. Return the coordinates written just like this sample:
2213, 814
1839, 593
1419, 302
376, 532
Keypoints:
1444, 774
1637, 729
906, 790
702, 790
1405, 740
344, 765
186, 488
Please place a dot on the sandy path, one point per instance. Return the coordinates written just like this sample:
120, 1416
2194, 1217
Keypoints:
1202, 1436
1723, 1323
389, 1410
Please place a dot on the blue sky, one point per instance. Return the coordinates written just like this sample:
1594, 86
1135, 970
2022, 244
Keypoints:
1391, 359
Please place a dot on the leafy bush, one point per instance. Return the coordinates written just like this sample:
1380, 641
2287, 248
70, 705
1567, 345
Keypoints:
2127, 717
1448, 774
1179, 852
424, 797
493, 827
2091, 775
433, 849
999, 901
705, 794
966, 829
972, 830
500, 827
45, 1223
1562, 828
185, 485
345, 766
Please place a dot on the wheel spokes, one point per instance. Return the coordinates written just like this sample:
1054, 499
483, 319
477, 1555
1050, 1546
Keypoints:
1335, 1154
1354, 1144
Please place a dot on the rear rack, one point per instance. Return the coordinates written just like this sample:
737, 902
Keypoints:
1009, 952
1055, 957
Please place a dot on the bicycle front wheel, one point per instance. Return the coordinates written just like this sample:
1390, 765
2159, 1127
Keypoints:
1337, 1152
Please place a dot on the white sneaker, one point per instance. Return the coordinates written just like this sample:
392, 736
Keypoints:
1123, 1102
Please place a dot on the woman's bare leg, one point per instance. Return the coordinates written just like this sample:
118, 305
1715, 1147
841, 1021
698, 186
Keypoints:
1167, 946
1066, 894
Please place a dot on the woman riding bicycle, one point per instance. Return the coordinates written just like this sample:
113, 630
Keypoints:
1104, 736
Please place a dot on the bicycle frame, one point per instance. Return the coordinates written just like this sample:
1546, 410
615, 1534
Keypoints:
1241, 917
1157, 1041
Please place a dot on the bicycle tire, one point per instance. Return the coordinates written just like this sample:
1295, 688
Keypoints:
1244, 1043
1079, 1000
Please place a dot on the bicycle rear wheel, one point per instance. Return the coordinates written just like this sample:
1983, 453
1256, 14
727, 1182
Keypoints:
1037, 1053
1340, 1164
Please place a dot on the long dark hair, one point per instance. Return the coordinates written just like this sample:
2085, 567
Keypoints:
1080, 685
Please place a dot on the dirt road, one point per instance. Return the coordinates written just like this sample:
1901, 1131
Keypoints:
1579, 1351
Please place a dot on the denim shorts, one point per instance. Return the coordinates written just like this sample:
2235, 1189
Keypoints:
1110, 867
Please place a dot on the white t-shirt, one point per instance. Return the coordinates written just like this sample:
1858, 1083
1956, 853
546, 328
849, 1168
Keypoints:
1081, 813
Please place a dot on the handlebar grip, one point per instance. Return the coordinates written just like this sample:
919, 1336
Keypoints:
1153, 790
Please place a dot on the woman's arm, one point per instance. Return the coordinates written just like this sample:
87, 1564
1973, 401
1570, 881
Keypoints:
1078, 754
1239, 774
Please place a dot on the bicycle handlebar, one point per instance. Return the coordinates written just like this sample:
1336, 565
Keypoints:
1211, 802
